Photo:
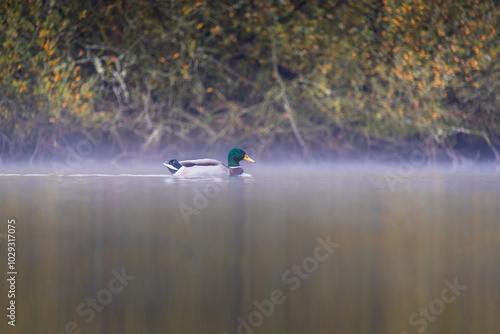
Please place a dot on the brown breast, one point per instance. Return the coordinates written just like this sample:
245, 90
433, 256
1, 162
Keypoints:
234, 171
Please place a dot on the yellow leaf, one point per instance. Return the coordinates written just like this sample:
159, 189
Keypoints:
210, 89
199, 25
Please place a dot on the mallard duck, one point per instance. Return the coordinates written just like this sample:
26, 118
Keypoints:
210, 167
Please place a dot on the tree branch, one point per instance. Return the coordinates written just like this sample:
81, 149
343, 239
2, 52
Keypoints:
286, 103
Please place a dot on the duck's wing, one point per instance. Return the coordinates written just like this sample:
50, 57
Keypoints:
200, 162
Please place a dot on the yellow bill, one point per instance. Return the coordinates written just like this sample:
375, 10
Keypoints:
247, 158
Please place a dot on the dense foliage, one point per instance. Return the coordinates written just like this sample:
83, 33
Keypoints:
343, 76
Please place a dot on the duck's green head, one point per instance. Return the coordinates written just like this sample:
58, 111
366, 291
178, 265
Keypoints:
236, 155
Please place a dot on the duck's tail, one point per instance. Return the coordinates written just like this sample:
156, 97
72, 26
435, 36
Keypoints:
173, 166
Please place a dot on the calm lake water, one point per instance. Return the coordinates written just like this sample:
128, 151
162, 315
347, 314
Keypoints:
333, 250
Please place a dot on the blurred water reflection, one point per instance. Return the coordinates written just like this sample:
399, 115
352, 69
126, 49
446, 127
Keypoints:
248, 241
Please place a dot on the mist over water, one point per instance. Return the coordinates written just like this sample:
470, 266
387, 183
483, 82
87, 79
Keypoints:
289, 248
373, 205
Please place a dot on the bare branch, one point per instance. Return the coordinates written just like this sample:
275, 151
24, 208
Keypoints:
286, 103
